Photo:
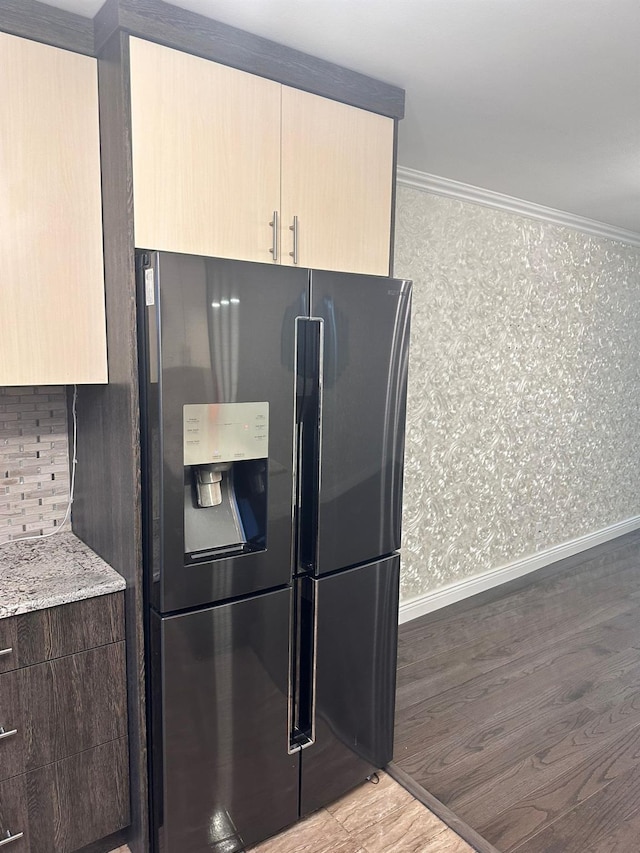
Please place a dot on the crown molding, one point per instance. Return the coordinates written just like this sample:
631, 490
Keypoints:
476, 195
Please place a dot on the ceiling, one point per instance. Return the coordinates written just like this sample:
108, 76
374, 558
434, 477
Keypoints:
535, 99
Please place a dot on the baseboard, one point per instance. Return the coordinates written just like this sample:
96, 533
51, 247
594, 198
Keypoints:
415, 607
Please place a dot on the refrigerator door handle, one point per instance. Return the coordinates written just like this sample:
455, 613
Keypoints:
309, 392
302, 665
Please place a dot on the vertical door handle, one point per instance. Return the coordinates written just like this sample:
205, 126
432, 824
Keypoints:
294, 228
274, 245
308, 418
9, 838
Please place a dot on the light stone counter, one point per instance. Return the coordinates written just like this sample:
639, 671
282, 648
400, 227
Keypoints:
48, 572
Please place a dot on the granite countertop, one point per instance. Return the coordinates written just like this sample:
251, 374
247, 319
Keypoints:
46, 572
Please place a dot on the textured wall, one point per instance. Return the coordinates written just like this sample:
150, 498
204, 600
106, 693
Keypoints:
524, 387
34, 455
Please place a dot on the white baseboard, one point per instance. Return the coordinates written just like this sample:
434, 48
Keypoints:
412, 608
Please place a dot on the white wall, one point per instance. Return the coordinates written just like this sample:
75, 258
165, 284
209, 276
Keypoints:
524, 389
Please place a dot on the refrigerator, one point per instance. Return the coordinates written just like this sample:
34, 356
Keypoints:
273, 418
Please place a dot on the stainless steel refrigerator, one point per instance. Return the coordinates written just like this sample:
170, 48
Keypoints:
273, 417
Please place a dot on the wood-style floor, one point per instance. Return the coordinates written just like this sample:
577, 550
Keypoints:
520, 709
380, 818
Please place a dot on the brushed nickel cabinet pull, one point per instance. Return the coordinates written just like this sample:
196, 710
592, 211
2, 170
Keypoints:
274, 225
5, 652
10, 733
9, 838
294, 228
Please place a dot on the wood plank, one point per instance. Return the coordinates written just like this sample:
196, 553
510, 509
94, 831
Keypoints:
69, 628
213, 133
50, 206
79, 800
11, 719
108, 519
13, 813
460, 762
544, 737
591, 822
544, 806
72, 704
8, 644
41, 22
337, 180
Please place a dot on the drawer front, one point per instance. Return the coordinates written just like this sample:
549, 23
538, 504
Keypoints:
8, 650
72, 704
13, 816
11, 727
48, 634
79, 800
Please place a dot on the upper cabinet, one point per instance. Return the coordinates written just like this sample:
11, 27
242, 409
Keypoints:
52, 319
337, 164
206, 155
229, 164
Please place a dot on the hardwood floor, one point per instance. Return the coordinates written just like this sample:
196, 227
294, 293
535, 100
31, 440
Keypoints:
519, 709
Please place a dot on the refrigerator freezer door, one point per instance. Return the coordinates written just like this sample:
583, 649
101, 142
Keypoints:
218, 331
364, 379
355, 673
227, 779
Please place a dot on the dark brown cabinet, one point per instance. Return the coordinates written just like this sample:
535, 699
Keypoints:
64, 777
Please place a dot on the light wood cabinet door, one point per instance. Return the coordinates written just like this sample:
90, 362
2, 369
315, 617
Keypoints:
52, 326
337, 165
206, 155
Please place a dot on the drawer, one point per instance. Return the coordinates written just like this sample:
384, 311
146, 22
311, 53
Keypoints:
8, 638
79, 800
57, 631
72, 704
11, 727
14, 816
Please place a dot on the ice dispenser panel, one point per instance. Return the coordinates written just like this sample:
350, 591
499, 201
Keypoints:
226, 449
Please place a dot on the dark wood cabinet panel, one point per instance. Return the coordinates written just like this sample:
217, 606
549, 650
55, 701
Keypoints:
72, 704
8, 655
47, 634
11, 749
13, 814
159, 21
79, 800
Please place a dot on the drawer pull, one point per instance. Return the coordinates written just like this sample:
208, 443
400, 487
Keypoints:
10, 733
5, 652
9, 838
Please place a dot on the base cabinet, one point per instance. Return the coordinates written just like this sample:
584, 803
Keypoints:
64, 765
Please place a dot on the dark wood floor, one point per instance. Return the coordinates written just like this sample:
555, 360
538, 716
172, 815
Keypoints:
519, 709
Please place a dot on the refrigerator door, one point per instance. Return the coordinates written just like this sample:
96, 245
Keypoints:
355, 673
216, 332
365, 349
227, 779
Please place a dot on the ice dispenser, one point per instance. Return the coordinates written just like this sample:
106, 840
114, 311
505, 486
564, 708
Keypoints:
226, 449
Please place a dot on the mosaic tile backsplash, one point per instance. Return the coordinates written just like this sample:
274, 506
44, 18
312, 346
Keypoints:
34, 461
524, 387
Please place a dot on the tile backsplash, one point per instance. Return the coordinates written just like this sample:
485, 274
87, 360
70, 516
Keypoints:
34, 460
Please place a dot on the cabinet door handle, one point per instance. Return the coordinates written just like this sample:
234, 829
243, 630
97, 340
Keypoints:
294, 228
9, 838
5, 652
10, 733
274, 245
